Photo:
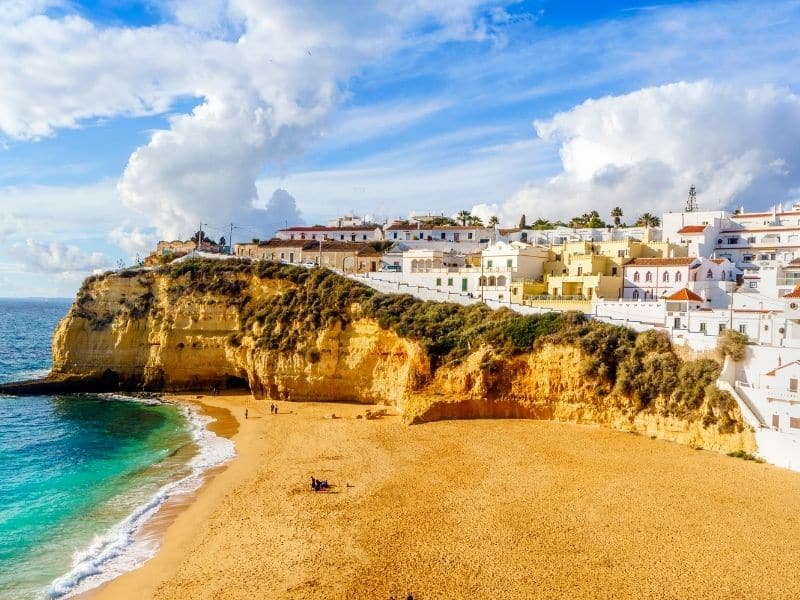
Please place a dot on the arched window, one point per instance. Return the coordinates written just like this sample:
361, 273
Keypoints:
501, 281
635, 294
648, 276
492, 281
709, 274
678, 276
636, 276
482, 281
428, 264
665, 276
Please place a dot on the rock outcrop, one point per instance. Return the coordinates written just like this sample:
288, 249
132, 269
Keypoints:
155, 330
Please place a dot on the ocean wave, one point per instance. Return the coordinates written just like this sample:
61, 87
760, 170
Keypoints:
121, 549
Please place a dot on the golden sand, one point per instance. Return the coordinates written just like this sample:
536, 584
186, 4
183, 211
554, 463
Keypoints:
471, 509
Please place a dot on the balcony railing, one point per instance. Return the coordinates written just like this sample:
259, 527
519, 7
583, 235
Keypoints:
533, 298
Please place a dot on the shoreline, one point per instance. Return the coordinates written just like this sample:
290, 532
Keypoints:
224, 425
465, 509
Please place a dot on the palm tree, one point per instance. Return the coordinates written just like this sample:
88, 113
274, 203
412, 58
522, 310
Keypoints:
522, 222
542, 224
493, 220
616, 213
648, 220
463, 216
475, 221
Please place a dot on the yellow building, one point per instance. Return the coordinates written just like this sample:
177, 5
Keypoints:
578, 272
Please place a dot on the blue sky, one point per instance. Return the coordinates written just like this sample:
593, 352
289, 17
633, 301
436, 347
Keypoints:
125, 122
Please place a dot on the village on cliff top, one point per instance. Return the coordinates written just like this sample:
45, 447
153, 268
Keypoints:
692, 274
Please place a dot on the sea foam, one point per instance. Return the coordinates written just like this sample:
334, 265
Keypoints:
121, 549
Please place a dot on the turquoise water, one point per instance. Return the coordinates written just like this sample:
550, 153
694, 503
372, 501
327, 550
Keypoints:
79, 475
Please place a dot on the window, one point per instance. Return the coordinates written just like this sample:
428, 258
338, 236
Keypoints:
441, 235
648, 276
751, 239
702, 327
489, 263
733, 240
580, 271
394, 235
794, 422
793, 384
636, 276
635, 294
621, 253
665, 276
676, 323
508, 263
721, 327
709, 274
469, 236
364, 237
450, 281
753, 285
613, 271
678, 277
438, 281
742, 328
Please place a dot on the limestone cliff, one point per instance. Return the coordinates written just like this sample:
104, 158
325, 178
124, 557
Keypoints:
289, 337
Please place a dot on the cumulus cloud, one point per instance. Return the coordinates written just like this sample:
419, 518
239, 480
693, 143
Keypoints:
57, 257
134, 240
642, 151
264, 75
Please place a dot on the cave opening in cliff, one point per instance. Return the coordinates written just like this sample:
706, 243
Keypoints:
236, 383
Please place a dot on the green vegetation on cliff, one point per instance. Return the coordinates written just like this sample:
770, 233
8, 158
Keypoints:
641, 368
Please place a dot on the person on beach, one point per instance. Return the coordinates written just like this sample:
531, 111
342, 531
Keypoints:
245, 413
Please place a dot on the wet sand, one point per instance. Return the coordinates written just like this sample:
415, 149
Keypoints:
471, 509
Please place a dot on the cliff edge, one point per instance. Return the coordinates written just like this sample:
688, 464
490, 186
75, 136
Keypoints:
295, 334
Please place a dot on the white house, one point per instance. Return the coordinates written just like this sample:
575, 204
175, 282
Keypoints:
656, 278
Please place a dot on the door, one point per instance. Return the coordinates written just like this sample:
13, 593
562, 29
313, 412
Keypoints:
776, 422
464, 285
793, 384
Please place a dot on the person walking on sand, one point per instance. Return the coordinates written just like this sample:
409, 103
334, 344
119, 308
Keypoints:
245, 413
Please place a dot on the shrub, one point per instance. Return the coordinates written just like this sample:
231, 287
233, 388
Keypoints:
732, 343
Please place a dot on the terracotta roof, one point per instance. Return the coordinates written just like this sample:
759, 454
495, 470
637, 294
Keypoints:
795, 293
661, 262
324, 228
774, 371
427, 227
685, 294
718, 261
279, 243
692, 229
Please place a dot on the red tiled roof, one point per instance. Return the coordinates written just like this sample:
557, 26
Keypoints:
661, 262
323, 228
426, 227
685, 294
795, 293
692, 229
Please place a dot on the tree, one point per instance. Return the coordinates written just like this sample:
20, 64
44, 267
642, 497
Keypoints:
542, 224
616, 214
590, 219
222, 241
475, 221
522, 223
648, 220
205, 238
463, 216
493, 220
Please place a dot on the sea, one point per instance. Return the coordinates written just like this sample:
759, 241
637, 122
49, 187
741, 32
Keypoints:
81, 475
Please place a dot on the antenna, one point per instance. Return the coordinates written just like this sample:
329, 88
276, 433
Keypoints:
691, 201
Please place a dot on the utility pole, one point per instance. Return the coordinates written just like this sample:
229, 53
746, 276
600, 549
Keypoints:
230, 238
319, 262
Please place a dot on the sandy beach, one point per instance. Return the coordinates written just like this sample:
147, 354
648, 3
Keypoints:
469, 509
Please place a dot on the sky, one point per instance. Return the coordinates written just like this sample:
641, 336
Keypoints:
123, 122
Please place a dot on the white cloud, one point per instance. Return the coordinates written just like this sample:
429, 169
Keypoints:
134, 240
57, 257
643, 150
266, 75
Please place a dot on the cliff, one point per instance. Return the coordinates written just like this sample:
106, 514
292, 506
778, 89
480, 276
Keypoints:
294, 334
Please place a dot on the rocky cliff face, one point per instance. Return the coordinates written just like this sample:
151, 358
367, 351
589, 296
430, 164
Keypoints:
154, 331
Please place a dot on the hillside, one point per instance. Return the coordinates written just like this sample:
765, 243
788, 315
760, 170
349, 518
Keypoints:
295, 334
